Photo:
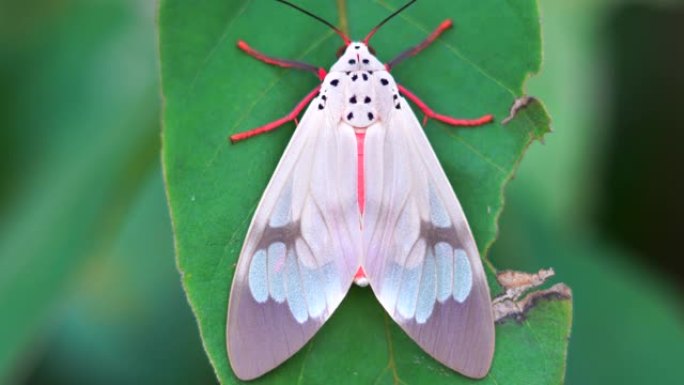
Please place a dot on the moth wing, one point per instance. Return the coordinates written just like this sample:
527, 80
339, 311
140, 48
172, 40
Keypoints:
421, 259
301, 250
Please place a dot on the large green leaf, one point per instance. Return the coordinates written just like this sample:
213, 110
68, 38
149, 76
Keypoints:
212, 90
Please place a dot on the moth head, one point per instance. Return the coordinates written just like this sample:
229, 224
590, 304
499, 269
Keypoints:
357, 56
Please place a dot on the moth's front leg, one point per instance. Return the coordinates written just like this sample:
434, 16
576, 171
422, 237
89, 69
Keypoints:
430, 114
413, 51
285, 63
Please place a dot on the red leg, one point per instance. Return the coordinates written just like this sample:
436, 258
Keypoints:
320, 72
279, 122
429, 113
446, 24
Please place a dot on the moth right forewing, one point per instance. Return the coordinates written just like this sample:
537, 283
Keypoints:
422, 261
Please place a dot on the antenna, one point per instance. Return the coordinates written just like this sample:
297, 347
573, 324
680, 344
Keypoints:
304, 11
374, 30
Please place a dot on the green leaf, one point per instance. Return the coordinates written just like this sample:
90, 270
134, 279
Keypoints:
212, 90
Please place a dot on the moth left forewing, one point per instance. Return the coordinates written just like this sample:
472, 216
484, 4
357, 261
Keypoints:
421, 259
301, 250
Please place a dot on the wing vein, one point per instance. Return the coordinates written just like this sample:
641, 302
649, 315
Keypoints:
403, 266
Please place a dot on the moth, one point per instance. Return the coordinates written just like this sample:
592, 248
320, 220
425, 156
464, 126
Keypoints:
359, 196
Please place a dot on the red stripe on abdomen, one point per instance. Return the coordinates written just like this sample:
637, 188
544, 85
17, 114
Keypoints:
360, 181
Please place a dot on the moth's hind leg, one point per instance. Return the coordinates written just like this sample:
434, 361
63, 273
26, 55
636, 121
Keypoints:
413, 51
285, 63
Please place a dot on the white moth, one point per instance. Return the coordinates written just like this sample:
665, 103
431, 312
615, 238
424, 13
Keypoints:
359, 194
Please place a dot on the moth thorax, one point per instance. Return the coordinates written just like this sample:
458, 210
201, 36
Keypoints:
360, 104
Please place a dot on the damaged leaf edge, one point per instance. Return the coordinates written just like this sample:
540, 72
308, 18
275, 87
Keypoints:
509, 306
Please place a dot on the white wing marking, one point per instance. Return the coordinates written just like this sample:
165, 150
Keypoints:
463, 278
282, 212
408, 292
333, 287
295, 291
391, 281
438, 214
427, 293
445, 270
276, 278
258, 276
314, 288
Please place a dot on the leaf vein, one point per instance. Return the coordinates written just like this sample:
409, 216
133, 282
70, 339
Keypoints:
258, 99
219, 42
454, 50
307, 354
477, 152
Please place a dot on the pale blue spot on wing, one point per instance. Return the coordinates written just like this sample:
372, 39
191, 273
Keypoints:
463, 276
312, 280
332, 283
295, 292
282, 211
321, 283
276, 266
438, 214
390, 284
444, 256
258, 277
408, 292
427, 293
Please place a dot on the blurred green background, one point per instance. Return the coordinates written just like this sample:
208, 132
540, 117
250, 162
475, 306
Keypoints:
89, 293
